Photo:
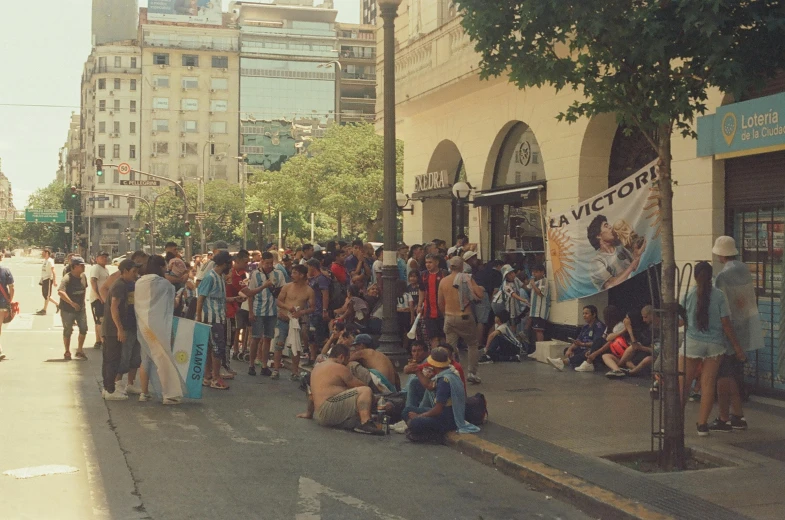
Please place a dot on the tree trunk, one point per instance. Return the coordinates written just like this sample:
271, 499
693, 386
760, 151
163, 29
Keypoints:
673, 445
340, 237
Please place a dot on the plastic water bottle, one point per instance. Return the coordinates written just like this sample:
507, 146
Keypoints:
386, 424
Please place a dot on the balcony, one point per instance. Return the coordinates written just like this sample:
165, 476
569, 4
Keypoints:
363, 76
358, 101
103, 69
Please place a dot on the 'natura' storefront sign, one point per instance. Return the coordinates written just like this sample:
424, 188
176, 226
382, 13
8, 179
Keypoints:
431, 181
746, 128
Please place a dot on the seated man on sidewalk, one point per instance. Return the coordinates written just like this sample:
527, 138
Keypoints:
589, 339
442, 409
336, 398
639, 356
420, 353
372, 367
502, 345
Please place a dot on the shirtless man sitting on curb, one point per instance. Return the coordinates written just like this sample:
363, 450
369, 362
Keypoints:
337, 399
366, 357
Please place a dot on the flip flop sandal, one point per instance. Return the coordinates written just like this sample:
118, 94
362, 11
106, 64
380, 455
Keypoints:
207, 382
80, 355
218, 384
67, 356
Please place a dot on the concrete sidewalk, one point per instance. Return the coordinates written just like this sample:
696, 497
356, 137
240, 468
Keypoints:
551, 429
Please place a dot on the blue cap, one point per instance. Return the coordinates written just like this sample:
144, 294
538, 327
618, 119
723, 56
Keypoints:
363, 339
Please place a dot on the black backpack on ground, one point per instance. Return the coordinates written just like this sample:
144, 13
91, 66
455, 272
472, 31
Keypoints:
476, 409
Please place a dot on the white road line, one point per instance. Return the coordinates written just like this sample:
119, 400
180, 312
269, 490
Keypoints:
230, 432
262, 428
309, 505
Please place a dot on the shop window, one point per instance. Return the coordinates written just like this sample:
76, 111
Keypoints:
517, 209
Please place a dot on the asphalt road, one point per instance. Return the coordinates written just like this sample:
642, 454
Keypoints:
241, 453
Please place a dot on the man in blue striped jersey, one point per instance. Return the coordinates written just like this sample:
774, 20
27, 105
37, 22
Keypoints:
263, 287
211, 310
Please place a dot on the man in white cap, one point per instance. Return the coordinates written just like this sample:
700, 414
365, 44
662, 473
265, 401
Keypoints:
736, 282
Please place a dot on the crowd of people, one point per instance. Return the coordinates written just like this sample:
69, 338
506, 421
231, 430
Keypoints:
719, 323
322, 306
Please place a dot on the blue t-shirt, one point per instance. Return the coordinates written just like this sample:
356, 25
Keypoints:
590, 333
351, 264
319, 283
6, 279
718, 309
213, 288
443, 394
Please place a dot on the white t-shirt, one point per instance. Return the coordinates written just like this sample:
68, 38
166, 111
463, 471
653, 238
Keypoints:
100, 274
605, 266
46, 268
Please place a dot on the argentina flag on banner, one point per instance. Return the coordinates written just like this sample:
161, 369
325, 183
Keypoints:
189, 351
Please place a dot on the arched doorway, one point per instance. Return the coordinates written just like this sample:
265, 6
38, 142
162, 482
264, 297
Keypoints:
630, 152
434, 189
516, 198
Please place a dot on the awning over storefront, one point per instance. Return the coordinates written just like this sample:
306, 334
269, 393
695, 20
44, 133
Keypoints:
506, 195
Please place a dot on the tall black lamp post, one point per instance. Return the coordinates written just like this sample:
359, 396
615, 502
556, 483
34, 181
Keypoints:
390, 341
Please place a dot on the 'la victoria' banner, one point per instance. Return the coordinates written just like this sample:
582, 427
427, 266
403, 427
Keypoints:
606, 240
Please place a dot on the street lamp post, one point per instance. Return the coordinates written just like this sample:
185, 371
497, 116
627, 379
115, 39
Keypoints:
201, 195
461, 191
338, 78
390, 341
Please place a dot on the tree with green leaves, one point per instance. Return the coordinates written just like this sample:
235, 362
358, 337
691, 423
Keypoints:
652, 65
339, 178
223, 206
55, 195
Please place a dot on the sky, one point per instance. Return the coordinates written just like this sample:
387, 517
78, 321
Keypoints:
45, 44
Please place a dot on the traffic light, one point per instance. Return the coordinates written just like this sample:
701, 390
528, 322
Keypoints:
187, 229
99, 167
73, 191
147, 229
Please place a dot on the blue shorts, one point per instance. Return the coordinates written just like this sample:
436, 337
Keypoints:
283, 331
218, 339
264, 327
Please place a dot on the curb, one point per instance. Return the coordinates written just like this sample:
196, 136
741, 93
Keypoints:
591, 498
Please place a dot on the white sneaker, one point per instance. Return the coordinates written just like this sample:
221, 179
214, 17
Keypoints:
115, 396
473, 378
121, 385
585, 367
172, 400
556, 363
399, 427
133, 389
143, 398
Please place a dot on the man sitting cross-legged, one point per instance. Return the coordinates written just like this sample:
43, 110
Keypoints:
444, 406
338, 399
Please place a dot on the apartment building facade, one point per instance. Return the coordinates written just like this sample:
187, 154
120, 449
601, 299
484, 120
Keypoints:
287, 78
189, 98
110, 130
357, 81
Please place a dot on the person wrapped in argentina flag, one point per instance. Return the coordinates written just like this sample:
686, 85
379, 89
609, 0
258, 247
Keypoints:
154, 308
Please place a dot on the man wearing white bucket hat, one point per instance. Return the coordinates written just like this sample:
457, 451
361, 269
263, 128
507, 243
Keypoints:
736, 282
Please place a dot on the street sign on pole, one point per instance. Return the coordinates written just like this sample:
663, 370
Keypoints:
46, 215
140, 183
103, 197
123, 168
